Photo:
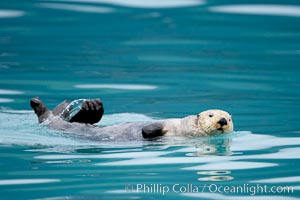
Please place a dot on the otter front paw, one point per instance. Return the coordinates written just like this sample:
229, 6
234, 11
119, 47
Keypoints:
91, 112
153, 130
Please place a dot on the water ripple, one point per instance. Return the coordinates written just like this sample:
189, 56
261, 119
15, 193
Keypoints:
289, 179
27, 181
231, 166
145, 4
78, 8
227, 197
253, 9
116, 86
10, 92
11, 13
5, 100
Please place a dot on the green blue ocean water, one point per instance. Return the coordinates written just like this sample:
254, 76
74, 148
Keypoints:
152, 60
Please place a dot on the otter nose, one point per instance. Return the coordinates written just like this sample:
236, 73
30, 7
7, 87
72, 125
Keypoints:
222, 121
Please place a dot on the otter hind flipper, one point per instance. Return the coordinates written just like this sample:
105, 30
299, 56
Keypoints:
153, 130
40, 109
61, 108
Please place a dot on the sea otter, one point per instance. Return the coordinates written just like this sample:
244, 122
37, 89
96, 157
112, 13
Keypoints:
80, 119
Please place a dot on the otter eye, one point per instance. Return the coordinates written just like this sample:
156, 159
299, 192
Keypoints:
229, 119
210, 115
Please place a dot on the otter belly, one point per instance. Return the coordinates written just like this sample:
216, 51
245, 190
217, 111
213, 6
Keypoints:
130, 130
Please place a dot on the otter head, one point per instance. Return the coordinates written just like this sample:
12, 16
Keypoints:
214, 121
40, 109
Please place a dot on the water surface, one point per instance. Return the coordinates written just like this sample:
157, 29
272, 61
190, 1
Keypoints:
151, 60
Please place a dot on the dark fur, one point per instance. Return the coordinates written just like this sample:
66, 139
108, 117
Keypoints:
91, 112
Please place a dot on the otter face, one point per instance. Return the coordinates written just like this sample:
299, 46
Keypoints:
214, 121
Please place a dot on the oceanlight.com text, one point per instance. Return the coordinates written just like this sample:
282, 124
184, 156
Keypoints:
244, 189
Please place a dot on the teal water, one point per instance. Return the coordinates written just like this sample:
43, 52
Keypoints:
151, 60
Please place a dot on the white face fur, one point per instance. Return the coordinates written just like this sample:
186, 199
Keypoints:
214, 121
